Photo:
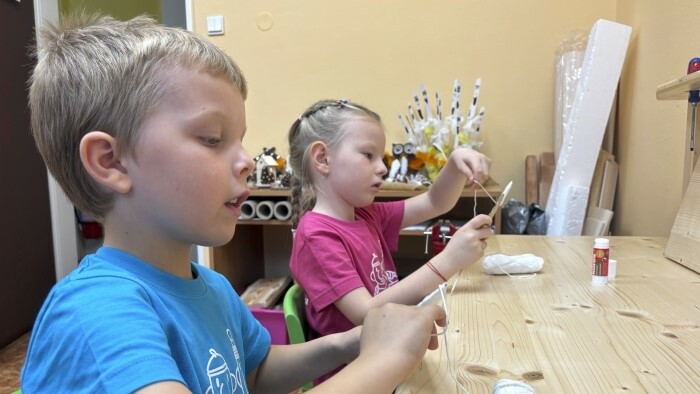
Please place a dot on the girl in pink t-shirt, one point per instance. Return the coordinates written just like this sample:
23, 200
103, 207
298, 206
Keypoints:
341, 256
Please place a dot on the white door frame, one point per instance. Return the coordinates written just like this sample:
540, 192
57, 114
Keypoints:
64, 232
204, 254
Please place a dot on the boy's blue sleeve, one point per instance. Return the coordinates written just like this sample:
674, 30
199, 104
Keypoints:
114, 330
103, 338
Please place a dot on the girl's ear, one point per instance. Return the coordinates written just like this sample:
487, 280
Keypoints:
100, 157
319, 157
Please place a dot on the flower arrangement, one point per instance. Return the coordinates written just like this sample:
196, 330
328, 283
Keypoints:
434, 136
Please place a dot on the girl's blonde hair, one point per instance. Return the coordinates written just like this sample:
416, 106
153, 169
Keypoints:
94, 72
323, 121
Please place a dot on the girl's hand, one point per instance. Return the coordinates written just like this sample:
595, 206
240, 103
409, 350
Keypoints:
475, 165
468, 243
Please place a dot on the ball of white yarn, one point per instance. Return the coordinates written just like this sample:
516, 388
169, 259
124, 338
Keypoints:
501, 264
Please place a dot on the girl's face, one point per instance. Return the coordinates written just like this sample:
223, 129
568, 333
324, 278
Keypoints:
356, 167
189, 167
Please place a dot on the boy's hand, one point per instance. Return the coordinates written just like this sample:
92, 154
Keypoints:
467, 244
396, 336
475, 165
349, 343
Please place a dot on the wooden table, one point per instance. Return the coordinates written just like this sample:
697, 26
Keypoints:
561, 334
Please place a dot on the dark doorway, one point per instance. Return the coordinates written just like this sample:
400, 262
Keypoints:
26, 247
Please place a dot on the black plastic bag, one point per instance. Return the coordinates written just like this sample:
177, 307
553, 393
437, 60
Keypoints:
537, 224
520, 219
514, 217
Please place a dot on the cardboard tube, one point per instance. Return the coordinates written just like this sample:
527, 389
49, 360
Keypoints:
265, 210
283, 210
248, 209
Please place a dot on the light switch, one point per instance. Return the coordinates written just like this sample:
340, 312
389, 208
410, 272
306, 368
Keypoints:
215, 25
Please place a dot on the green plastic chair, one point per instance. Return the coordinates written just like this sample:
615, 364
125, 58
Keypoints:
295, 318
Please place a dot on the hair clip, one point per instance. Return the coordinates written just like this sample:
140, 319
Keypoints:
340, 103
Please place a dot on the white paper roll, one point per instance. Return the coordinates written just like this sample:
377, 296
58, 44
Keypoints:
265, 209
283, 210
248, 209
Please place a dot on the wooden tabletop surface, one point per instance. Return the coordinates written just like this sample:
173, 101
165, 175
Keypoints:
560, 333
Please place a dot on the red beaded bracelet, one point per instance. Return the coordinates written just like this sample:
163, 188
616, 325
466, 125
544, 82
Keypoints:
432, 268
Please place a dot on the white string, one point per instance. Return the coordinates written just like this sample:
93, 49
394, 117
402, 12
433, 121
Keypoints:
530, 275
447, 348
454, 284
444, 303
450, 366
447, 315
485, 191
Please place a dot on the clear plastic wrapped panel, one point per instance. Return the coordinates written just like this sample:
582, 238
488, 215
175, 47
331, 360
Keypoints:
568, 60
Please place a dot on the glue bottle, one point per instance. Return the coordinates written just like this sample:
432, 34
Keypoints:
601, 254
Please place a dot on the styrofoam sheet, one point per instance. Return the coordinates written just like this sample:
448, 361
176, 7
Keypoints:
600, 73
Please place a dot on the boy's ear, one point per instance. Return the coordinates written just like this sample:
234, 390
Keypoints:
319, 157
100, 157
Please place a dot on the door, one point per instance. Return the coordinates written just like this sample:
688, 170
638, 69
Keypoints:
26, 247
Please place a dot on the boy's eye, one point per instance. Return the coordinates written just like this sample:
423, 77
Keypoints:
368, 155
211, 141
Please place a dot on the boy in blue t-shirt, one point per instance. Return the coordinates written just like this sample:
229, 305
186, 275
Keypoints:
142, 126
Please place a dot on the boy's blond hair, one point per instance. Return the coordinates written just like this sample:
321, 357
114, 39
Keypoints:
94, 72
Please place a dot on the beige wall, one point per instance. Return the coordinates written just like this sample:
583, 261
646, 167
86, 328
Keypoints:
378, 53
651, 134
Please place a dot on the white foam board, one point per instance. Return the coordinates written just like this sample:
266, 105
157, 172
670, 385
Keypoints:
600, 73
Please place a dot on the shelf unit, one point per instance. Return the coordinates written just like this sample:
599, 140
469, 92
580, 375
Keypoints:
683, 244
261, 248
679, 89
